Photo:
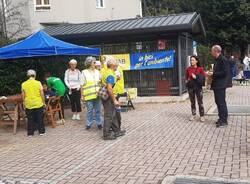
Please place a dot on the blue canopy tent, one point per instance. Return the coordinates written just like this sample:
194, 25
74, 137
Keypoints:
41, 44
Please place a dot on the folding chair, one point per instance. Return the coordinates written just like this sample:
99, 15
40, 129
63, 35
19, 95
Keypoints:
52, 107
130, 94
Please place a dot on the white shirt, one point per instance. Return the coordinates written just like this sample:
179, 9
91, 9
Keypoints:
73, 79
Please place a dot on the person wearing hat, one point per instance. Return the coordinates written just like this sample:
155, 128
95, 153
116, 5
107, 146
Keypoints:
91, 84
73, 80
34, 102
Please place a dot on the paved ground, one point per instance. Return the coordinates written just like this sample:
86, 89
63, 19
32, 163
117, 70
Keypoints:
160, 142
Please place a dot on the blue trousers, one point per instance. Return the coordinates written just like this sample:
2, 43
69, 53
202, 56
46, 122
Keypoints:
93, 109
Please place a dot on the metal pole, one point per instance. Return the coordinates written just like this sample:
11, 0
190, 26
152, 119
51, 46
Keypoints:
179, 65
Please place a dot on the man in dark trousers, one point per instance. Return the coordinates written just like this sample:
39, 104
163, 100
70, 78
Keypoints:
222, 79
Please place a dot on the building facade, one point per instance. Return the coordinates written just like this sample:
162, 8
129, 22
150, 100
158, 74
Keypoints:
139, 36
41, 13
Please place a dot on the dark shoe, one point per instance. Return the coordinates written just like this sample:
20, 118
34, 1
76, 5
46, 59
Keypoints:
88, 127
217, 122
99, 127
120, 133
110, 137
123, 131
221, 124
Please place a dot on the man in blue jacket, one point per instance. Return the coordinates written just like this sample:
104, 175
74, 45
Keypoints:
222, 79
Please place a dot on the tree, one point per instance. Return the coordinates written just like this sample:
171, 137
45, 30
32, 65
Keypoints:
12, 22
227, 22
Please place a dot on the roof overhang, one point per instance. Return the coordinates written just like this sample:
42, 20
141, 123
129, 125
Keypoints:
186, 22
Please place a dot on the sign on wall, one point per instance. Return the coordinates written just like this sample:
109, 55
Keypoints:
148, 60
152, 60
123, 59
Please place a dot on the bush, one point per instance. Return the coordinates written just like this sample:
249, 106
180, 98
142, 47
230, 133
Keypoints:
13, 72
204, 53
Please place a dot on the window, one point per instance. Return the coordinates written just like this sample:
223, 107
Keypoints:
42, 5
100, 4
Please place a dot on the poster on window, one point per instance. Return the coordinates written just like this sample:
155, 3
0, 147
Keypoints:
122, 59
161, 44
152, 60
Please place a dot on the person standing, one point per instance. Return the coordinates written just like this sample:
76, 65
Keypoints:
57, 86
221, 80
111, 127
195, 77
34, 102
246, 62
91, 84
73, 80
119, 89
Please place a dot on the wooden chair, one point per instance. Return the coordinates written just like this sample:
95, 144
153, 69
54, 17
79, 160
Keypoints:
52, 107
11, 111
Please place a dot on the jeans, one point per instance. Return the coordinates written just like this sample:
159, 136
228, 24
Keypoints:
35, 120
93, 105
220, 100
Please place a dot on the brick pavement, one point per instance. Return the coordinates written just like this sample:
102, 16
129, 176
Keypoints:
160, 142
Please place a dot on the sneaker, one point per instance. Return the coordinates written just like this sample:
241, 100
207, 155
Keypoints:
99, 127
29, 136
88, 127
202, 119
78, 117
192, 118
42, 134
73, 117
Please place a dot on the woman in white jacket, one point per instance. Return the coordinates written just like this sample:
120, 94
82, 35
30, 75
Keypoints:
73, 80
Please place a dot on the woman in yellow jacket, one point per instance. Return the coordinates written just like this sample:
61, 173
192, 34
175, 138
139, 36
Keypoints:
34, 102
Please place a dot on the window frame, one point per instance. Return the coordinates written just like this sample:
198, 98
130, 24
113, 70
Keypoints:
47, 6
98, 5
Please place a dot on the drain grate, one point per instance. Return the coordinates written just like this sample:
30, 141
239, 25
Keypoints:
187, 179
233, 110
203, 181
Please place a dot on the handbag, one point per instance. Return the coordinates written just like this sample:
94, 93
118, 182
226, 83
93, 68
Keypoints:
200, 79
103, 93
198, 82
190, 84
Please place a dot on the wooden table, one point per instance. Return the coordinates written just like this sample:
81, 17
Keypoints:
11, 111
